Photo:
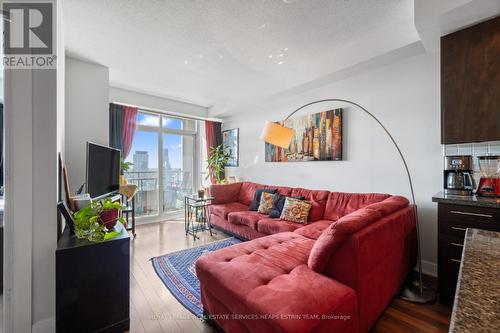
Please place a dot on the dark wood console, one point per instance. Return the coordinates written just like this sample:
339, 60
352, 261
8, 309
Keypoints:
93, 284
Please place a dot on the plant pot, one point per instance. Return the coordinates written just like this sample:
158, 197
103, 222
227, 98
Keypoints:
109, 218
123, 180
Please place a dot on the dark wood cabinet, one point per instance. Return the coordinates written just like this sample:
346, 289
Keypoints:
453, 220
470, 84
93, 284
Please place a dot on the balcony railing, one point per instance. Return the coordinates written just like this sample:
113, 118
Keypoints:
176, 183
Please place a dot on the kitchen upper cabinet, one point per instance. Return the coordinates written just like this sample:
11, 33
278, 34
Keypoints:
470, 84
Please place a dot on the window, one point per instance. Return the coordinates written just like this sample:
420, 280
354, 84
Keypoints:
164, 161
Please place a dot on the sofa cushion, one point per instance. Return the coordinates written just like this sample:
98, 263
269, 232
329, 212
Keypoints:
283, 190
336, 233
248, 218
296, 210
316, 198
278, 203
258, 195
247, 192
340, 204
311, 297
314, 230
225, 193
223, 210
389, 205
268, 276
274, 226
233, 272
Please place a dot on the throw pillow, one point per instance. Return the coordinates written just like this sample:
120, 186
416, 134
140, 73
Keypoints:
256, 198
278, 203
295, 210
266, 203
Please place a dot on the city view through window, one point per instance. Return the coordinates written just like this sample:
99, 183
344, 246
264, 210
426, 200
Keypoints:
162, 146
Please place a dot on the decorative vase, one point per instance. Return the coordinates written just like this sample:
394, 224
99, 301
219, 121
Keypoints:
109, 218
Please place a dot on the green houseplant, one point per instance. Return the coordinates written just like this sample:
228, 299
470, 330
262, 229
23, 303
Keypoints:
96, 221
125, 166
217, 161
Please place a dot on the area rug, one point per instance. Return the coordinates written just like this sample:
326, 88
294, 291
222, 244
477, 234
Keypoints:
177, 272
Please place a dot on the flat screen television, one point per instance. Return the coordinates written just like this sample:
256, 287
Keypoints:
103, 170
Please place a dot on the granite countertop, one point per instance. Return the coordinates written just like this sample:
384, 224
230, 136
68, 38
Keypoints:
473, 200
477, 300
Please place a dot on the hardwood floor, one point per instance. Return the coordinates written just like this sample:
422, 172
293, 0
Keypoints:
154, 309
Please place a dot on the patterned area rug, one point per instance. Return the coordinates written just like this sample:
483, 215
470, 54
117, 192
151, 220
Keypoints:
177, 272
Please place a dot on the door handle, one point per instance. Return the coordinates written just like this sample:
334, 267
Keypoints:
470, 214
455, 260
458, 228
457, 244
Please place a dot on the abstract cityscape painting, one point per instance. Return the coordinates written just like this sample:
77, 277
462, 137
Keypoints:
230, 141
317, 137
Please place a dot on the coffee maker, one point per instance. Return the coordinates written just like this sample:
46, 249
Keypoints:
458, 175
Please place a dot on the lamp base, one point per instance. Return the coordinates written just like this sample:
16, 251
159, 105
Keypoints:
412, 293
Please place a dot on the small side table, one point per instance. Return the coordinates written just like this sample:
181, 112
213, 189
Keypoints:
128, 192
129, 210
197, 214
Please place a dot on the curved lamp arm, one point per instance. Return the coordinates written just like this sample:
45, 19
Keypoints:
378, 122
421, 296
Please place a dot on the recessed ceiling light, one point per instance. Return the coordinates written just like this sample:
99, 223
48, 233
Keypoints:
285, 49
200, 56
270, 56
221, 56
280, 62
280, 55
186, 62
262, 26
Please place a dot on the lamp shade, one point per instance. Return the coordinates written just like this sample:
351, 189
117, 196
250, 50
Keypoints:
277, 134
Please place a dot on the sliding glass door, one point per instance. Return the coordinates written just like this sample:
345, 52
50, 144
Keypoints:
177, 168
163, 155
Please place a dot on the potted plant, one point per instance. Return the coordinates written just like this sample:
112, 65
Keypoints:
217, 161
124, 167
96, 221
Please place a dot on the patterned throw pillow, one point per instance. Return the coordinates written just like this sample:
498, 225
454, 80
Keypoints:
266, 203
258, 194
295, 210
278, 203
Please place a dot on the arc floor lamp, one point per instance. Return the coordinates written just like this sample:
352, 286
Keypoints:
281, 136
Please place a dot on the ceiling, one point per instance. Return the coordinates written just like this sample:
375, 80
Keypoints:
225, 53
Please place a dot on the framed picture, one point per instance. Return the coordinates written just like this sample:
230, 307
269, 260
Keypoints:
317, 137
230, 140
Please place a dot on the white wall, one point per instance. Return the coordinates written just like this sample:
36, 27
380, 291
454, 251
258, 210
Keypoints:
32, 139
161, 104
87, 115
405, 97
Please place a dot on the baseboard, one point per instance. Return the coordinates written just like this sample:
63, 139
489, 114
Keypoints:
429, 268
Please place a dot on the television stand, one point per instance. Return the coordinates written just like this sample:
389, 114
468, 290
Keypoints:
93, 284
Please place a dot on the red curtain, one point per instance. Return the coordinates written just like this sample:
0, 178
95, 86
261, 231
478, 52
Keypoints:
213, 133
129, 125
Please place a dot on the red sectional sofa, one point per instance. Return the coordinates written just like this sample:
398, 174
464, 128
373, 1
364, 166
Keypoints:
336, 274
